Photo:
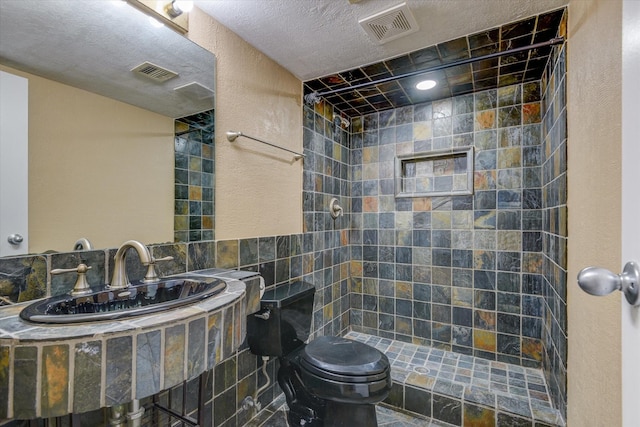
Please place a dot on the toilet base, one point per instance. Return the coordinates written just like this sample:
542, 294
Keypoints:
310, 411
349, 415
304, 408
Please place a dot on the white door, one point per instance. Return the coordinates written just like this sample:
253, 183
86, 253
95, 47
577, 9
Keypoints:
14, 165
630, 206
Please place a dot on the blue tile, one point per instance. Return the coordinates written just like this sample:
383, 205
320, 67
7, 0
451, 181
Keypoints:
508, 199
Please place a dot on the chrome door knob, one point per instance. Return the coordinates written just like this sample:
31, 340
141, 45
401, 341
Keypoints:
600, 281
15, 239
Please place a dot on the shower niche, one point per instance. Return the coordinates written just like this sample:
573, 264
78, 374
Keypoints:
435, 173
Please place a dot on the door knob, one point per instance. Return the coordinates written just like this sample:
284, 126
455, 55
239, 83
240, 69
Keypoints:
15, 239
600, 281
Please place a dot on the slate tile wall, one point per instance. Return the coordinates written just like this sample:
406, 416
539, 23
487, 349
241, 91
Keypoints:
194, 218
454, 272
554, 236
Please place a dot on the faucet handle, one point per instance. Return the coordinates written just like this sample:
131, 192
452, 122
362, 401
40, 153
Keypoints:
151, 275
81, 287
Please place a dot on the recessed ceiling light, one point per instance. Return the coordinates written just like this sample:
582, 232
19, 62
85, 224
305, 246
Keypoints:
426, 85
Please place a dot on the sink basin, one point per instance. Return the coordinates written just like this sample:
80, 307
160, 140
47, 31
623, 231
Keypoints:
137, 300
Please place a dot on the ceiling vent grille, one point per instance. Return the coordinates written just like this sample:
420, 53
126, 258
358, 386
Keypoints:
154, 72
390, 24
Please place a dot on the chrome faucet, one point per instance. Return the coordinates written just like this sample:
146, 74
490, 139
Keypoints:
120, 280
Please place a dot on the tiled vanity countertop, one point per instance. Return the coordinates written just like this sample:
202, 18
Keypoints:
50, 370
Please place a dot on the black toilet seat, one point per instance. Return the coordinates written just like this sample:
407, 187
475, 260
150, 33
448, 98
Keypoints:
344, 360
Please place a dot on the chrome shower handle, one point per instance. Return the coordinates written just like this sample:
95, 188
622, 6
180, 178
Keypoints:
335, 209
600, 281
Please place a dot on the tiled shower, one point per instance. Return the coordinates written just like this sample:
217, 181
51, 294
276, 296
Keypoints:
481, 274
452, 271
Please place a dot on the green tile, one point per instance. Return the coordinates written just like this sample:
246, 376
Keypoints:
214, 350
119, 370
174, 353
87, 376
24, 391
196, 350
5, 369
148, 363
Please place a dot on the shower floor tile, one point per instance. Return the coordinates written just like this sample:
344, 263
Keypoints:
508, 390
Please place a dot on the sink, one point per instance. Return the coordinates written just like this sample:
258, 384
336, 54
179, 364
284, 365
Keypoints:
53, 369
136, 300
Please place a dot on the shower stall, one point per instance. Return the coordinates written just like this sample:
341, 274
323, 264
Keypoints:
481, 275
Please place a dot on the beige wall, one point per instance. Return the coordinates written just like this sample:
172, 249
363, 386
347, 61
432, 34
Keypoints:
594, 181
98, 168
258, 188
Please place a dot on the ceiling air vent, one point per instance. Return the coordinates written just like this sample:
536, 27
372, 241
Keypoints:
154, 72
390, 24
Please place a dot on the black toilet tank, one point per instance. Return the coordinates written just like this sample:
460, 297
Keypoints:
284, 321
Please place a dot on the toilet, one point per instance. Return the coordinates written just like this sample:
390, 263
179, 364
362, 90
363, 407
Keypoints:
331, 381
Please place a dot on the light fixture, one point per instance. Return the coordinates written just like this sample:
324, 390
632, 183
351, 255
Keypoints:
426, 84
178, 7
157, 13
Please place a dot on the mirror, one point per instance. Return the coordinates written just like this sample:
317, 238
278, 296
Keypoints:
105, 167
95, 45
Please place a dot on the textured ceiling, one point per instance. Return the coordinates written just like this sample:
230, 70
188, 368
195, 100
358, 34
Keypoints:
518, 67
95, 47
315, 38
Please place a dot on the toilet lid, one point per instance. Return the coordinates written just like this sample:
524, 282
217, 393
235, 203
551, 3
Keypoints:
344, 357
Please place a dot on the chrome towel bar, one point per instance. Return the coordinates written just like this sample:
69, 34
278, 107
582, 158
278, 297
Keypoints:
232, 136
